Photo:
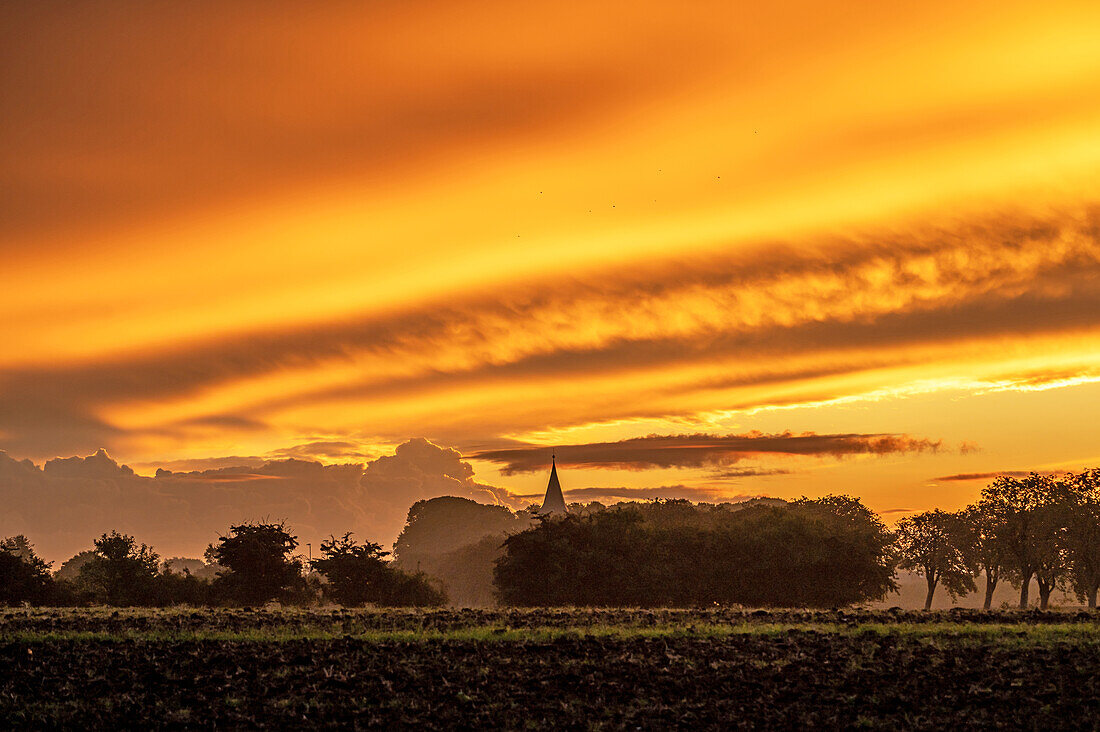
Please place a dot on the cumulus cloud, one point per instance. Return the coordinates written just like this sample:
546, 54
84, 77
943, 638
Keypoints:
417, 470
66, 503
699, 450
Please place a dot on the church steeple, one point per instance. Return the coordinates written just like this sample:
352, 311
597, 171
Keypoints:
554, 502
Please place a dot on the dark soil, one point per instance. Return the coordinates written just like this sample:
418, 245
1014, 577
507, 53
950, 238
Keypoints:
796, 679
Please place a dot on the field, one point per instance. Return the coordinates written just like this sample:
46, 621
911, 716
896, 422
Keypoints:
548, 668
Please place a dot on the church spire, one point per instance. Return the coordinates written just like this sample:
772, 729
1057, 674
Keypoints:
554, 502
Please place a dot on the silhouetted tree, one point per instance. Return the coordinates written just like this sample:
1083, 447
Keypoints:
356, 573
69, 570
931, 544
258, 563
121, 572
1026, 515
194, 567
983, 553
456, 540
856, 560
440, 525
466, 573
24, 576
182, 588
1050, 542
404, 589
1082, 535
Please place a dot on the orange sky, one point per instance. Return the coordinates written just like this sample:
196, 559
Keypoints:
263, 230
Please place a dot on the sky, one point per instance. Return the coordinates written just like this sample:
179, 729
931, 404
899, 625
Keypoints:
706, 250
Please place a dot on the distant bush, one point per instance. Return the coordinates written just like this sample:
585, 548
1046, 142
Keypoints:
357, 574
411, 590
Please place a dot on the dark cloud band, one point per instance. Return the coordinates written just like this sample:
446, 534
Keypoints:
699, 450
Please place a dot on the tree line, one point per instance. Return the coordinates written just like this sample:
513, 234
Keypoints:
1040, 527
823, 552
812, 553
253, 563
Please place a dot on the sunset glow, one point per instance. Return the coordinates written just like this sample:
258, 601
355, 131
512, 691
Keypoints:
261, 231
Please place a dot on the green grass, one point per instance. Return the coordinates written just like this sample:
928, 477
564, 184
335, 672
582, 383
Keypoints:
1001, 633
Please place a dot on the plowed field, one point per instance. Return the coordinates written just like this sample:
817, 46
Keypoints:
547, 668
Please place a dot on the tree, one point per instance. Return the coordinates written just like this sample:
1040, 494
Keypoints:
182, 588
931, 544
456, 540
439, 525
983, 553
1024, 516
466, 573
194, 567
258, 563
1052, 557
356, 573
856, 551
69, 571
403, 589
24, 576
1082, 536
121, 572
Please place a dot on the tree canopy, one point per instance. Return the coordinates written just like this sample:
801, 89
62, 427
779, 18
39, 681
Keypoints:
933, 544
819, 553
121, 572
26, 575
257, 563
357, 574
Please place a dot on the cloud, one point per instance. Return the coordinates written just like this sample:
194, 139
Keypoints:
845, 306
324, 449
418, 470
697, 494
65, 504
998, 474
227, 422
203, 464
699, 450
282, 99
747, 472
842, 306
99, 466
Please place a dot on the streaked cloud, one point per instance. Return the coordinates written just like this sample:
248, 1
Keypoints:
695, 451
990, 475
869, 304
697, 494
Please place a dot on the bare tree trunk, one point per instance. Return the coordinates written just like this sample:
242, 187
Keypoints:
990, 585
1025, 587
1044, 595
1092, 598
931, 591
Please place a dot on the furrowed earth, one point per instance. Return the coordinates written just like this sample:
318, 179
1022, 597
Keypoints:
548, 668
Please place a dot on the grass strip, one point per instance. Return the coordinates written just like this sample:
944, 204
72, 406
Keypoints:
981, 633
